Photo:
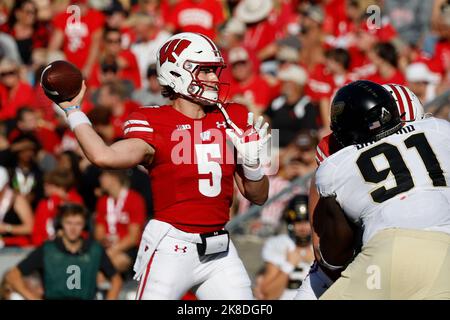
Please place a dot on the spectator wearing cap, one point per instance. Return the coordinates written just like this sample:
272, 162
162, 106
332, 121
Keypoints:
199, 16
79, 41
261, 31
149, 37
14, 92
112, 54
385, 58
292, 110
421, 81
120, 218
247, 85
59, 189
16, 215
21, 160
298, 158
116, 17
27, 31
69, 264
151, 95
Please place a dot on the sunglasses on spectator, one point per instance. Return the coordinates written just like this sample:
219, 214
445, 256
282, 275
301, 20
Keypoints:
8, 73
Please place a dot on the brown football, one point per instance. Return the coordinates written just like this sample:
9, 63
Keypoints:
61, 81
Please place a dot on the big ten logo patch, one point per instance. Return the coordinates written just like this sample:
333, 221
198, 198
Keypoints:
74, 279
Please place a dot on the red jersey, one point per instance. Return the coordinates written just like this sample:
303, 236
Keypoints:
10, 102
326, 147
256, 90
43, 228
193, 167
396, 78
78, 36
117, 215
198, 16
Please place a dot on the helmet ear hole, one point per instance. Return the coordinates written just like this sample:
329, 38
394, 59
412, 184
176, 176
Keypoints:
175, 74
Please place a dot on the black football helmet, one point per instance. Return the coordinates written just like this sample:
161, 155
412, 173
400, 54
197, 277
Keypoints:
363, 111
297, 210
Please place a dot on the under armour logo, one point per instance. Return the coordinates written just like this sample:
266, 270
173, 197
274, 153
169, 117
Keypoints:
221, 124
177, 248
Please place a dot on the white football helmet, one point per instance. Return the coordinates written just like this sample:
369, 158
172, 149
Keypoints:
409, 106
179, 62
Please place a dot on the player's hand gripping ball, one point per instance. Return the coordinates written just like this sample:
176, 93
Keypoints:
61, 81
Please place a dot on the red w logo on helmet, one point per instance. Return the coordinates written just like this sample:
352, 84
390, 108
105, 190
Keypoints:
168, 49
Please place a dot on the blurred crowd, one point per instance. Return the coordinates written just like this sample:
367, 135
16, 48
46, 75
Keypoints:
286, 58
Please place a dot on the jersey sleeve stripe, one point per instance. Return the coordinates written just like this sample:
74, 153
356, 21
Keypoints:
138, 129
129, 122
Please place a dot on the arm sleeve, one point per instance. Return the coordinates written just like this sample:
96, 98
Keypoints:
106, 266
33, 262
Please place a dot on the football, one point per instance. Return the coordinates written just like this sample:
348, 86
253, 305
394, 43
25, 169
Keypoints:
61, 81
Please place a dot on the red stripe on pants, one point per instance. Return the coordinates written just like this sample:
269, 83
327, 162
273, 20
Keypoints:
147, 272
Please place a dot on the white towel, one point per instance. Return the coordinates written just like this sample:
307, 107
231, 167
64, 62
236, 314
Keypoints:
154, 232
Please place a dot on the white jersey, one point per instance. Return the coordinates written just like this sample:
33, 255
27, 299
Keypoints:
400, 181
275, 251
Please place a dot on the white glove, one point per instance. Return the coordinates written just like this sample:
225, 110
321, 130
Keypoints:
251, 144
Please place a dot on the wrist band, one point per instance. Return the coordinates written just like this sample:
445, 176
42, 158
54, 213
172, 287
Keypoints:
71, 108
253, 174
287, 267
77, 118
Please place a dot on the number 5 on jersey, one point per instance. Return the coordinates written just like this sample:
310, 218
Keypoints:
206, 153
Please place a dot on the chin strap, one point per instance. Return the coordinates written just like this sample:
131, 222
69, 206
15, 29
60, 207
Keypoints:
228, 119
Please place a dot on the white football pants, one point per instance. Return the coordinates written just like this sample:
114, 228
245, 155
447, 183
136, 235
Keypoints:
175, 267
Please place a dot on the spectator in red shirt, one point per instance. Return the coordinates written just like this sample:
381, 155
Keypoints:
112, 95
261, 31
384, 57
328, 78
79, 40
247, 85
16, 215
116, 16
14, 93
28, 32
58, 186
113, 54
27, 122
120, 218
200, 16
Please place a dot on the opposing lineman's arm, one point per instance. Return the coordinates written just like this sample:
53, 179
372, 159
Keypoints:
122, 154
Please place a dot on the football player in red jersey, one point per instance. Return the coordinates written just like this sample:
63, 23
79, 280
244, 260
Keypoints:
192, 168
320, 277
